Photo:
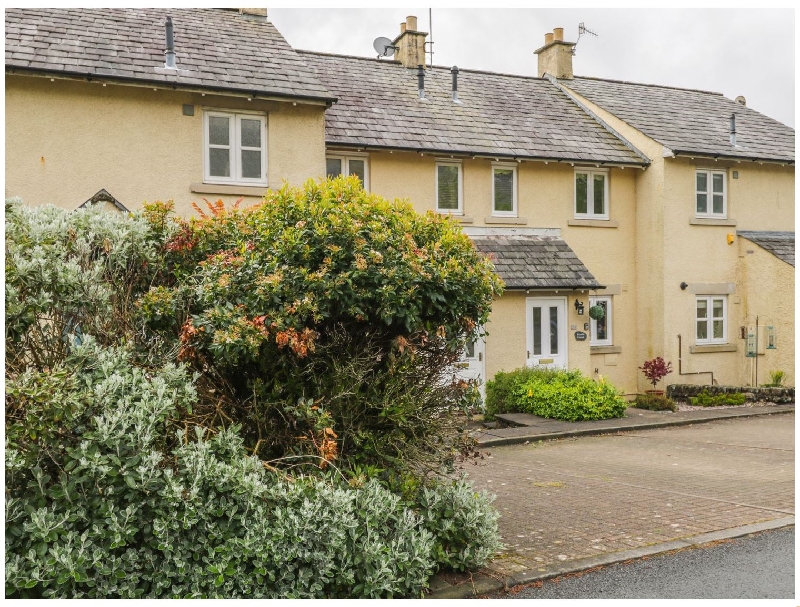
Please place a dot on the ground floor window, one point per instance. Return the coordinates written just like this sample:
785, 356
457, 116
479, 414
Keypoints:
601, 327
711, 319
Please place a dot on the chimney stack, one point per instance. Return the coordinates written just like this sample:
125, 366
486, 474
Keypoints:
555, 57
410, 44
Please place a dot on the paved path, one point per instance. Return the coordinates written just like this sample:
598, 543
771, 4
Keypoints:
580, 501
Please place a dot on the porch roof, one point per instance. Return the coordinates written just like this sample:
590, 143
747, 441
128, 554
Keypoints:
780, 244
536, 262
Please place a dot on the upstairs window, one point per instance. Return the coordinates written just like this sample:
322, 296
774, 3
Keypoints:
504, 190
711, 320
711, 195
348, 165
591, 194
449, 188
235, 148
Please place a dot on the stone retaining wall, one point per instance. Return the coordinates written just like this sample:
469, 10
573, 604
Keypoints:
682, 392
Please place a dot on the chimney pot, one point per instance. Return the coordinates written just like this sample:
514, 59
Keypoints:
558, 33
411, 23
548, 38
402, 27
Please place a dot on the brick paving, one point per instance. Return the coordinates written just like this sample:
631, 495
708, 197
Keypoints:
570, 499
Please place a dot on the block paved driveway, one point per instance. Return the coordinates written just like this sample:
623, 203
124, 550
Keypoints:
571, 499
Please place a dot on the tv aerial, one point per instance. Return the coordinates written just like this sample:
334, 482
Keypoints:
383, 46
582, 29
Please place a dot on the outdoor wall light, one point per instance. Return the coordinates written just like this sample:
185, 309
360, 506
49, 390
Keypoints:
684, 285
579, 307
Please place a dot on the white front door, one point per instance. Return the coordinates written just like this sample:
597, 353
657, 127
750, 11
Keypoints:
547, 332
473, 363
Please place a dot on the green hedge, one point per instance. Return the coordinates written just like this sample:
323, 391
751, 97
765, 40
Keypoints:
704, 399
553, 393
654, 402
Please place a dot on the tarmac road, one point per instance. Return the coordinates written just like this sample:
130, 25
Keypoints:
755, 567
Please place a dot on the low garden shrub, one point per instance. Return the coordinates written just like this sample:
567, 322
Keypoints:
555, 393
655, 402
97, 507
704, 399
500, 389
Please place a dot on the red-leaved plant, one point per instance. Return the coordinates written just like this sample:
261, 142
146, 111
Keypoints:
655, 370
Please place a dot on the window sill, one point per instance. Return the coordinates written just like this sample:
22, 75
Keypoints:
707, 349
605, 349
235, 190
593, 223
456, 216
702, 221
518, 221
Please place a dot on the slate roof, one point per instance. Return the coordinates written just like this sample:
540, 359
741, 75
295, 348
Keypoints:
690, 121
216, 49
499, 115
535, 262
780, 244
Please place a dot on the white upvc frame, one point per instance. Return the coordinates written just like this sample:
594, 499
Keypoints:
514, 187
234, 148
709, 192
346, 158
609, 340
458, 165
590, 214
709, 320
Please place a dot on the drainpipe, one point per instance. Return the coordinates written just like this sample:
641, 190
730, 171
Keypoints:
680, 364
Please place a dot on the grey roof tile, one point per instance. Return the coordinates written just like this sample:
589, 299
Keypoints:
690, 121
780, 244
530, 262
221, 49
499, 114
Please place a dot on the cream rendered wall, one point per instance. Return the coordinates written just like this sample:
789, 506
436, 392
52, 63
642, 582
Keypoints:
65, 140
762, 198
761, 275
545, 200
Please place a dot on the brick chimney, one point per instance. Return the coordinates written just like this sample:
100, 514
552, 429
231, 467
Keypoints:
254, 12
555, 57
410, 44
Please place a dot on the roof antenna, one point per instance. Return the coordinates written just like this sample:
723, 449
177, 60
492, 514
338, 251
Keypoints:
430, 31
582, 29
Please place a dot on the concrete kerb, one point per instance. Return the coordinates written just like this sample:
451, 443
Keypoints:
484, 584
534, 436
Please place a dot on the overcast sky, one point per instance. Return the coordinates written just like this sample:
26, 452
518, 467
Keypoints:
730, 51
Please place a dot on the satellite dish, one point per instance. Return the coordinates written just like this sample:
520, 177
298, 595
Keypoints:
383, 46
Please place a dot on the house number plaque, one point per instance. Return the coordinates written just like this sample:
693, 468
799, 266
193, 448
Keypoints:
580, 336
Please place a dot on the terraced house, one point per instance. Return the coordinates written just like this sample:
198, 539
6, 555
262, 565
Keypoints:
671, 209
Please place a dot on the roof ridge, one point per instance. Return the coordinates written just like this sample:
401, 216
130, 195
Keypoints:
659, 86
441, 67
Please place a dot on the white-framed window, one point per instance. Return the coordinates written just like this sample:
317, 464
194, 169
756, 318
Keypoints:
711, 319
235, 148
336, 165
601, 329
449, 188
591, 194
711, 198
504, 190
